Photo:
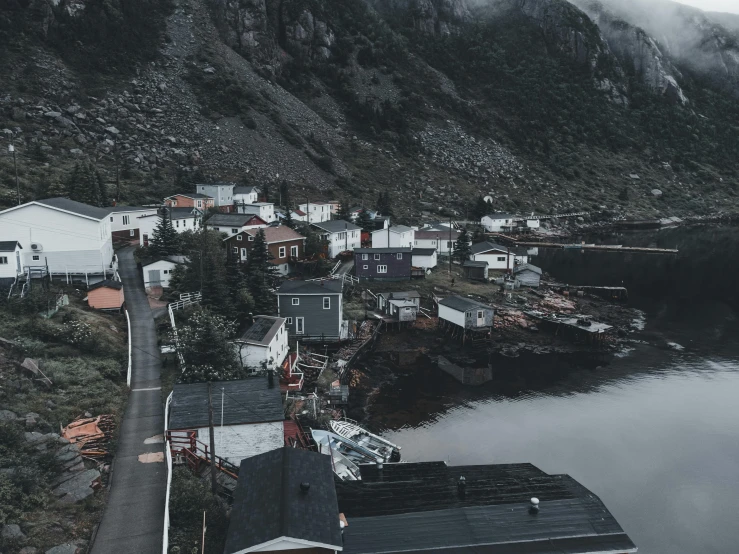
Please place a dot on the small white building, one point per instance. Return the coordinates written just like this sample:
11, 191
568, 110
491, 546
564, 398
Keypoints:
66, 236
233, 224
10, 259
265, 210
245, 195
465, 313
497, 222
221, 193
158, 272
264, 345
125, 221
253, 416
183, 219
399, 236
316, 212
341, 236
497, 256
441, 240
424, 257
528, 275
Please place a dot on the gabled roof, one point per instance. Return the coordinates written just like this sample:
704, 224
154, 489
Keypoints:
172, 259
440, 234
245, 190
462, 304
487, 247
500, 215
423, 251
71, 206
473, 263
270, 502
9, 245
527, 267
216, 184
186, 212
231, 220
194, 196
327, 286
282, 233
263, 330
119, 209
336, 226
399, 229
391, 250
400, 295
245, 401
107, 283
301, 213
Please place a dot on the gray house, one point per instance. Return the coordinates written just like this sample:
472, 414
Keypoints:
465, 313
476, 270
527, 274
383, 264
313, 310
401, 305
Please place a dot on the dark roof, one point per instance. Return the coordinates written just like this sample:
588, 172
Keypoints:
527, 267
9, 245
473, 263
462, 304
500, 215
440, 234
269, 503
485, 246
398, 229
417, 507
217, 184
246, 401
175, 259
195, 195
236, 220
400, 295
178, 213
263, 330
423, 251
117, 209
75, 207
336, 226
391, 250
327, 286
245, 190
107, 283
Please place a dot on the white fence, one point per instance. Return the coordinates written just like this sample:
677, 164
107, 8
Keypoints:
168, 455
186, 299
128, 375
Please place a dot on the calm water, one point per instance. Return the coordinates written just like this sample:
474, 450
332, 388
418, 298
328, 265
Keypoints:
655, 432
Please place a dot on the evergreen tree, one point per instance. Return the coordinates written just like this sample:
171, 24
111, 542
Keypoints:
384, 204
164, 240
462, 248
364, 220
85, 184
343, 212
478, 235
261, 275
236, 282
315, 245
289, 221
267, 191
209, 355
287, 202
480, 208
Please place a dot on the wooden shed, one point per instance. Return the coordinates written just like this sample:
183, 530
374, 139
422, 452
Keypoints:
476, 270
527, 274
106, 295
465, 313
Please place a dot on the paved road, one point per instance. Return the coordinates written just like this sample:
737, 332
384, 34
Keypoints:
134, 517
345, 267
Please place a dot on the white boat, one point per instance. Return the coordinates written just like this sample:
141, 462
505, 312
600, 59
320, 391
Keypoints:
348, 429
331, 444
343, 467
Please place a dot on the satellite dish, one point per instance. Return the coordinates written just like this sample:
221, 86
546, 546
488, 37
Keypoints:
488, 199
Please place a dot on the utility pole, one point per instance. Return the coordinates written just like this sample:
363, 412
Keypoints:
117, 173
11, 149
450, 245
213, 469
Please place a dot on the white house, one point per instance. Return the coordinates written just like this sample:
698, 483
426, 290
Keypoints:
245, 195
497, 222
158, 272
341, 236
233, 224
394, 236
465, 312
265, 210
317, 212
252, 421
125, 221
183, 219
442, 240
66, 236
497, 256
264, 344
221, 193
424, 257
10, 259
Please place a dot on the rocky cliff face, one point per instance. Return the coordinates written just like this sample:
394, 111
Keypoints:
440, 17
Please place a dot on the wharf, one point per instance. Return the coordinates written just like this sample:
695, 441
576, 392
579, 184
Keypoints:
601, 247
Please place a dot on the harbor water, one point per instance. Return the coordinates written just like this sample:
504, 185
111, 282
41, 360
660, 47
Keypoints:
654, 431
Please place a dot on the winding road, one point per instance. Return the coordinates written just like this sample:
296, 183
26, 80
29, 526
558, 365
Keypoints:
133, 520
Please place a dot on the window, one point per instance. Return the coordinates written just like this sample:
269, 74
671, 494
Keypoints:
200, 203
381, 269
450, 244
299, 325
234, 231
178, 223
126, 219
3, 260
133, 232
415, 243
111, 218
294, 251
365, 256
480, 314
251, 238
165, 271
365, 267
239, 238
146, 238
289, 321
326, 302
501, 258
235, 250
399, 255
296, 301
243, 253
377, 256
433, 242
36, 258
282, 252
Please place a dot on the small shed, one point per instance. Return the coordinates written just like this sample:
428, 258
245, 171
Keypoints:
466, 313
264, 344
106, 295
158, 271
527, 274
475, 270
424, 257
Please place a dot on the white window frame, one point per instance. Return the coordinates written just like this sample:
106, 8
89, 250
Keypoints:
289, 320
234, 231
132, 233
399, 256
243, 253
365, 267
36, 258
365, 257
282, 252
300, 326
251, 238
239, 238
3, 260
377, 257
381, 269
294, 251
326, 302
295, 301
501, 258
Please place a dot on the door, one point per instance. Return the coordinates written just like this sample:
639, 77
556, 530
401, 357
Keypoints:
299, 325
480, 318
154, 278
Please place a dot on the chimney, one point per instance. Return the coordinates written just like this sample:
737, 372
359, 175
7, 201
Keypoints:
379, 465
304, 487
462, 486
534, 509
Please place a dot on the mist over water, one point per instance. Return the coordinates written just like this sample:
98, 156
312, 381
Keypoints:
654, 432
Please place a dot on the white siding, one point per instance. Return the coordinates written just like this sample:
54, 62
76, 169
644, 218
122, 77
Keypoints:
69, 242
316, 213
149, 223
441, 245
161, 266
264, 210
451, 315
494, 225
338, 243
492, 259
236, 442
10, 269
123, 221
222, 195
401, 240
427, 262
245, 198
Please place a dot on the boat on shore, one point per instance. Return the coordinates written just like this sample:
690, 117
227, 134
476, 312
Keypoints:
383, 448
332, 444
343, 467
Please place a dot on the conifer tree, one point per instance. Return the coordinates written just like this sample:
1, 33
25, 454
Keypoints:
462, 248
261, 274
344, 210
164, 240
364, 220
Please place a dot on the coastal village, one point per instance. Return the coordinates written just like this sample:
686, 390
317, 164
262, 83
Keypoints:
262, 317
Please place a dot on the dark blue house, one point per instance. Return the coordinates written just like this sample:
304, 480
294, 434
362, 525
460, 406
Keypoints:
383, 264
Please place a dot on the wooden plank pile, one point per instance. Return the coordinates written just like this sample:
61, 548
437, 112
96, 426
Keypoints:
91, 434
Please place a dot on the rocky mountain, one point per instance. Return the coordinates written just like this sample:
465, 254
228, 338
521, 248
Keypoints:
542, 104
